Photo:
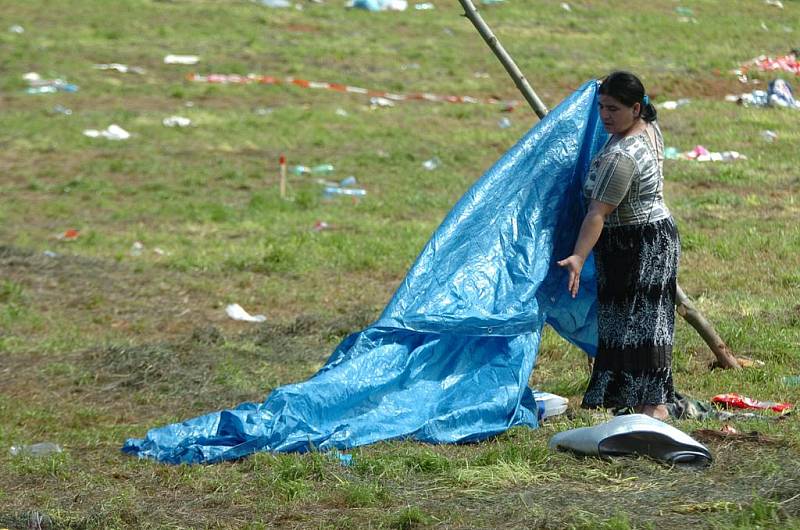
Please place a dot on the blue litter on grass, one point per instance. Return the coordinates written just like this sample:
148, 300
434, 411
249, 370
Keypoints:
449, 359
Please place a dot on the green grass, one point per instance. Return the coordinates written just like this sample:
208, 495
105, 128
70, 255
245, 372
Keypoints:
98, 344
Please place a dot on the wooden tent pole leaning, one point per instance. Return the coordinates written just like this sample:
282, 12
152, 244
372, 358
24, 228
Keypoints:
684, 306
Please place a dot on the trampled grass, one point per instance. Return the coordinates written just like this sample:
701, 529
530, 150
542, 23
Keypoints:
100, 341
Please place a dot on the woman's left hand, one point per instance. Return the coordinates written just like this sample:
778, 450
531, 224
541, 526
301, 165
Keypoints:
574, 264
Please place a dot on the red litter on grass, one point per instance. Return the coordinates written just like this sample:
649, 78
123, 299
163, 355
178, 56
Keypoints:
743, 402
69, 235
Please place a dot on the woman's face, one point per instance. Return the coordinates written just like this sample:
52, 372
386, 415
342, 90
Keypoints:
617, 118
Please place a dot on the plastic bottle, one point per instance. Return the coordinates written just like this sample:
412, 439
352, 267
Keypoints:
349, 181
331, 191
791, 380
322, 169
39, 449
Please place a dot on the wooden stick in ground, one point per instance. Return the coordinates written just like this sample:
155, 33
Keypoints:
684, 306
686, 309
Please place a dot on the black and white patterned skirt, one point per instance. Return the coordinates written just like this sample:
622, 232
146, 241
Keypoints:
637, 268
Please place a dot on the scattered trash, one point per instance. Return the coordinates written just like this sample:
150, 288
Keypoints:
791, 380
672, 105
685, 15
275, 3
633, 434
123, 68
379, 5
378, 101
319, 226
747, 362
69, 235
37, 85
137, 248
348, 181
504, 123
263, 111
112, 132
426, 6
38, 449
481, 75
769, 136
549, 405
743, 402
778, 94
786, 63
432, 164
565, 6
701, 154
671, 153
409, 66
236, 312
728, 433
321, 169
776, 3
225, 79
16, 28
344, 459
332, 191
50, 254
181, 59
176, 121
160, 251
491, 2
341, 112
61, 109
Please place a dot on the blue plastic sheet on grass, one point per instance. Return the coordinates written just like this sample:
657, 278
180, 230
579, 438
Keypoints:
450, 357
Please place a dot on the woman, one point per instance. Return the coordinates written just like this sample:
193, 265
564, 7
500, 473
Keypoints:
636, 248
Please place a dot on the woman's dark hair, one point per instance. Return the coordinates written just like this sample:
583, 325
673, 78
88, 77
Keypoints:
627, 89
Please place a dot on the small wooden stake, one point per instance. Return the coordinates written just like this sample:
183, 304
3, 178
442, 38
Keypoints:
282, 162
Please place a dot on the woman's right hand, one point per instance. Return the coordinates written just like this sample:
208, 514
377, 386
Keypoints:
573, 264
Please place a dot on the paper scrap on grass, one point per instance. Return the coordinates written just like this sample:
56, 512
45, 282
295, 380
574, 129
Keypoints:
237, 312
112, 132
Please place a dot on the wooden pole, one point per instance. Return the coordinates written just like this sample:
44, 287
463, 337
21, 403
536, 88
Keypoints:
684, 306
282, 162
471, 12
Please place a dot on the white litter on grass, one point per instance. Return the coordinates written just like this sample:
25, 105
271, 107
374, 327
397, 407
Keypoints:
137, 248
672, 105
341, 112
113, 132
565, 6
176, 121
181, 59
32, 77
236, 312
16, 28
123, 68
378, 101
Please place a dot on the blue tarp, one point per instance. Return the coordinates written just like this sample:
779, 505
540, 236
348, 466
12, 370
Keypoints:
450, 357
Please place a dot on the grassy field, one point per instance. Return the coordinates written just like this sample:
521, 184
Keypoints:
99, 342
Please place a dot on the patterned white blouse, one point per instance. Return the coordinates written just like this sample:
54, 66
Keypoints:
629, 174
